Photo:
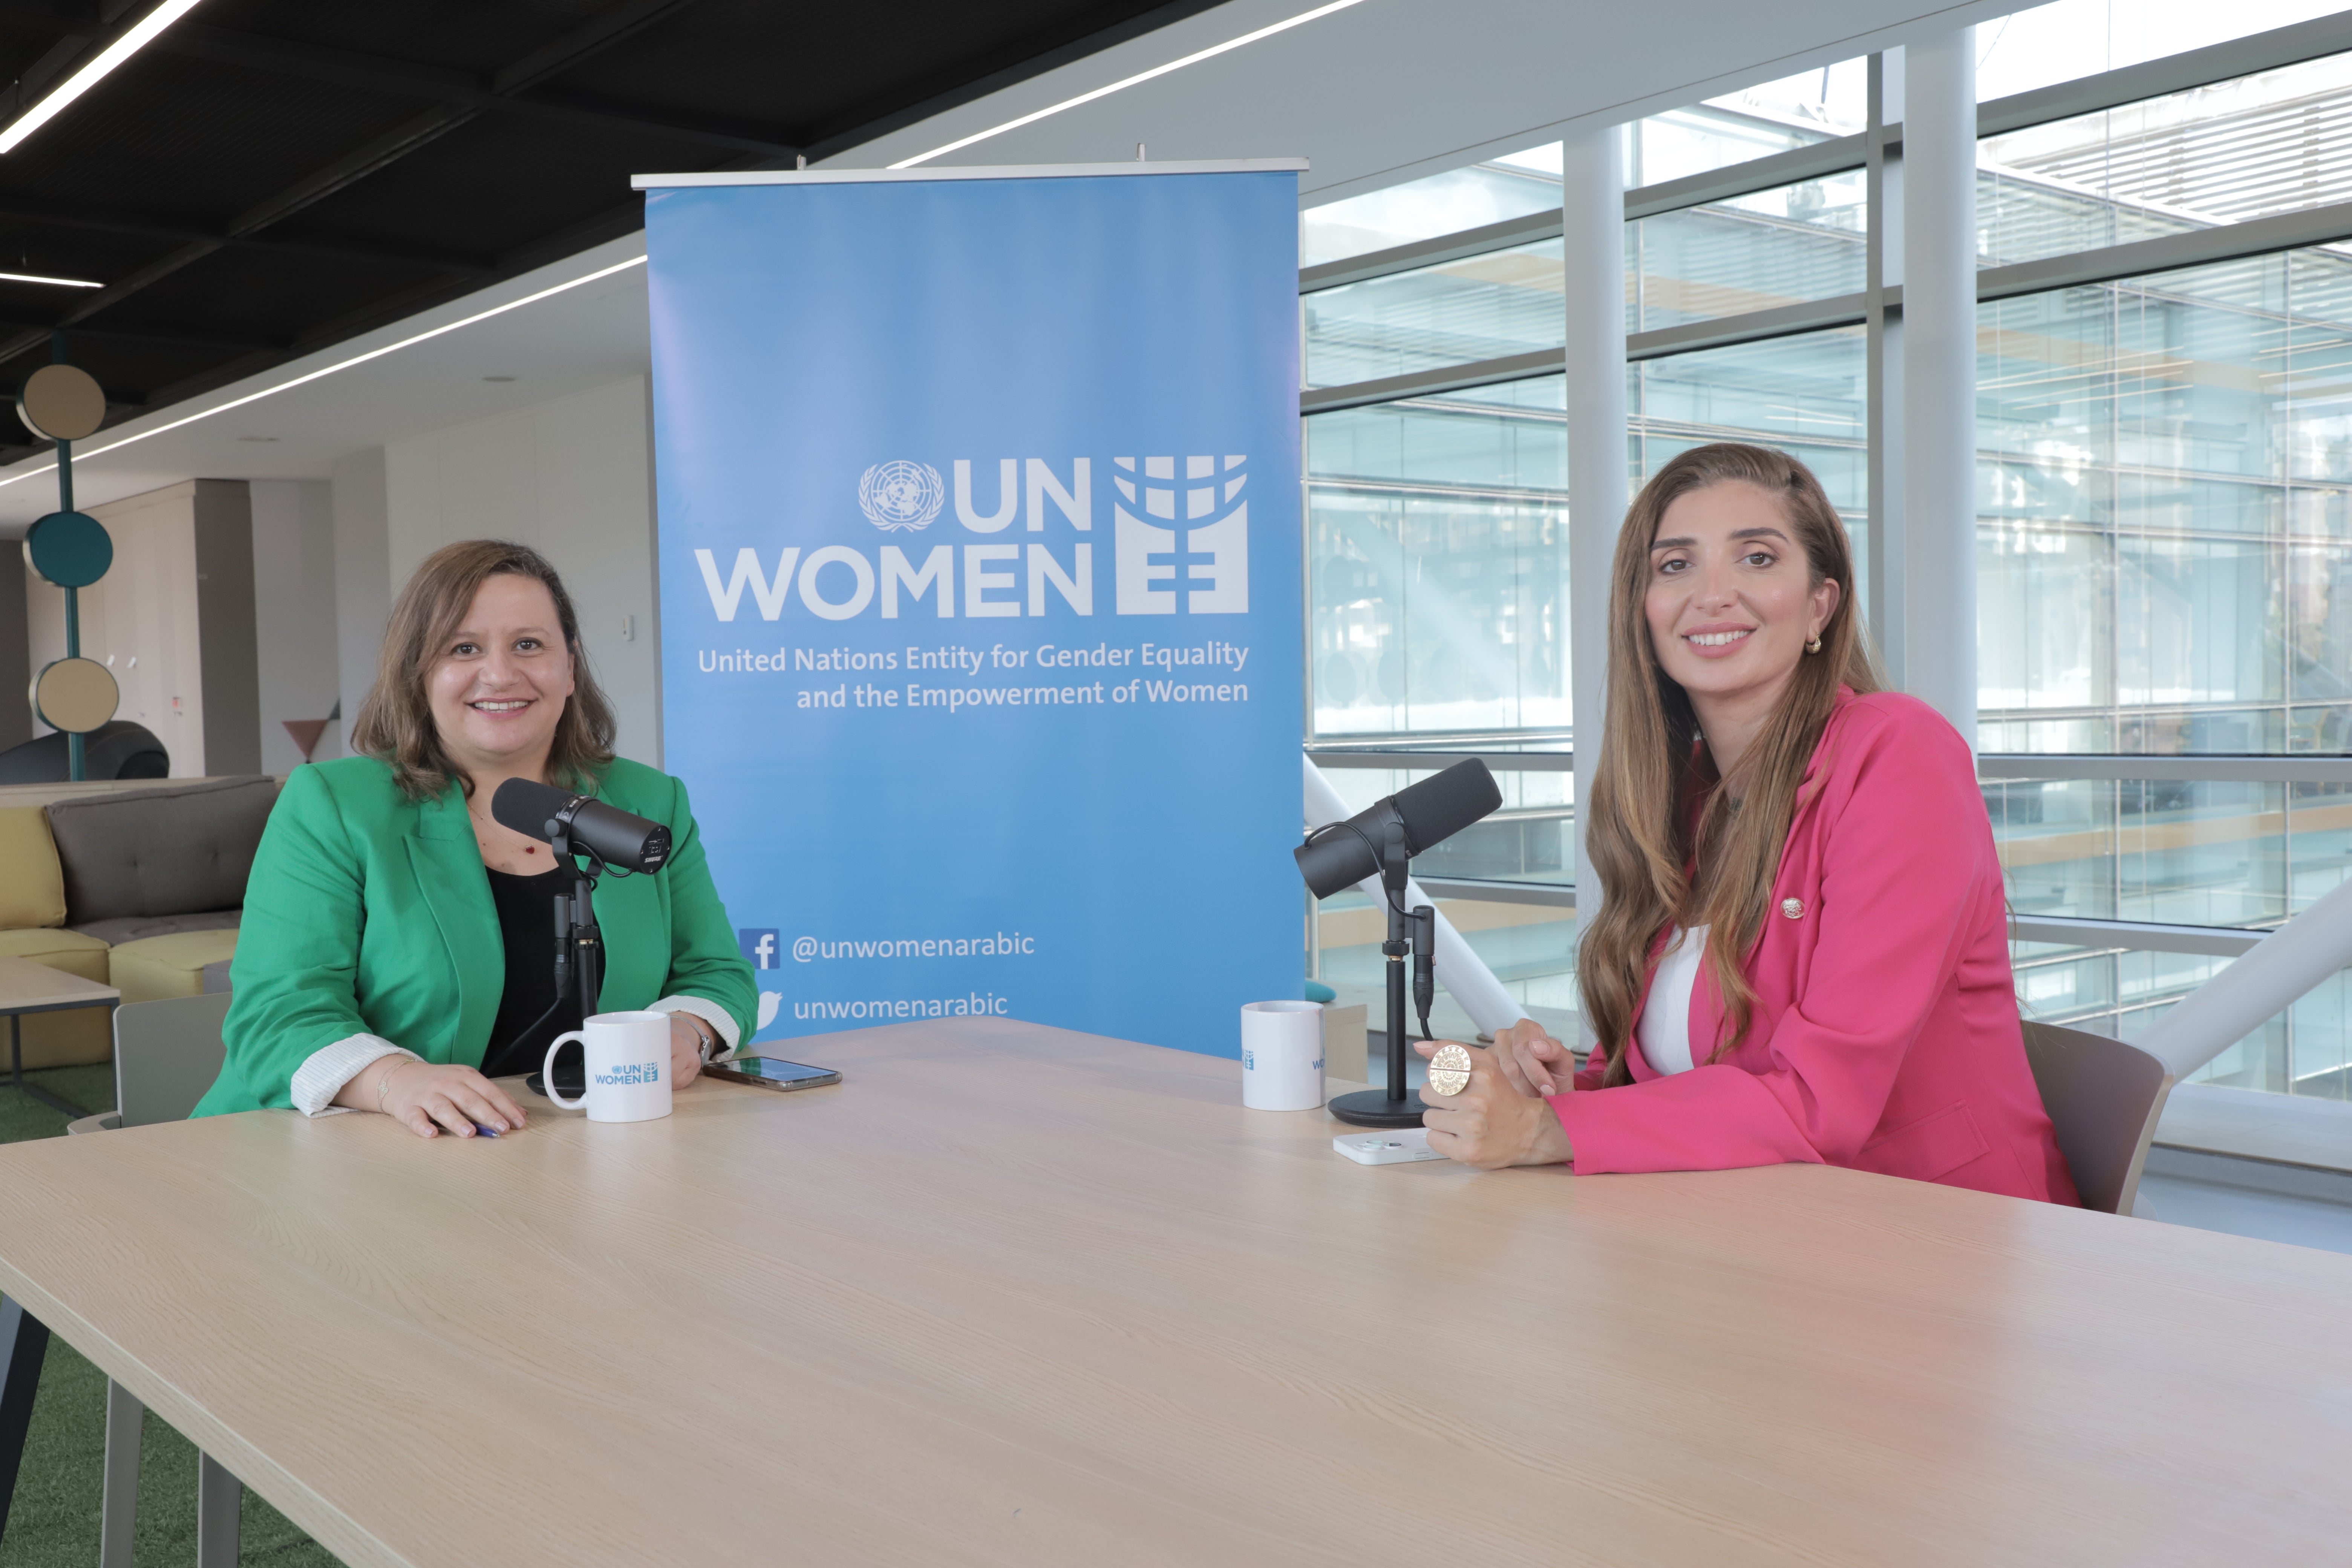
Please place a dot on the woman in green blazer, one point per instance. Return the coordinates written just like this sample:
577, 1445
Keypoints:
397, 945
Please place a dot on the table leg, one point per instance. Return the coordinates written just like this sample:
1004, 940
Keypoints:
17, 1072
117, 1511
25, 1339
219, 1499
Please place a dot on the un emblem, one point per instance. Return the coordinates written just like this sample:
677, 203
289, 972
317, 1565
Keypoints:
900, 495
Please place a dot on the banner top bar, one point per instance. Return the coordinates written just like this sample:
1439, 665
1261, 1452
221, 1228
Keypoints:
1004, 172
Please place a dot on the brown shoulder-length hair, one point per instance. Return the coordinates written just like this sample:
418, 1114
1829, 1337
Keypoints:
395, 724
1646, 825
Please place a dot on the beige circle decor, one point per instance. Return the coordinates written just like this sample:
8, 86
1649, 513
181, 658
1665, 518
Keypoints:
62, 401
75, 695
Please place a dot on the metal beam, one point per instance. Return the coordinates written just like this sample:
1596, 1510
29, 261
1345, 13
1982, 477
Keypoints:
461, 89
2135, 936
1507, 234
2169, 769
151, 335
2167, 252
107, 220
2175, 73
1821, 159
1749, 326
1426, 383
598, 32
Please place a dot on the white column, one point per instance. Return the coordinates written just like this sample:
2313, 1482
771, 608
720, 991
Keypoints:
1592, 215
1939, 376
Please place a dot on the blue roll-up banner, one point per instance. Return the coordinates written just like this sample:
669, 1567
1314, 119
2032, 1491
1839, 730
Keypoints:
980, 585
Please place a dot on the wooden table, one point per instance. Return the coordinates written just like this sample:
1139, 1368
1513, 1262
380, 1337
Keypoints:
1015, 1295
29, 987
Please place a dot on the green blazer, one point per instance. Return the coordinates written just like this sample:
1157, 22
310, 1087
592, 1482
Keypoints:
369, 913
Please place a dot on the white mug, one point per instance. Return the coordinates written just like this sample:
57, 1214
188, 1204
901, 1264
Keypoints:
1282, 1056
628, 1067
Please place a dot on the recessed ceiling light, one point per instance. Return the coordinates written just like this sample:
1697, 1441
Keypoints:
91, 74
54, 282
498, 378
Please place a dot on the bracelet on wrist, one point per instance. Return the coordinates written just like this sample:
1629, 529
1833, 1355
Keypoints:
384, 1084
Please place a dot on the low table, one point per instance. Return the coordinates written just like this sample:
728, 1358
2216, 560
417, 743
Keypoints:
29, 987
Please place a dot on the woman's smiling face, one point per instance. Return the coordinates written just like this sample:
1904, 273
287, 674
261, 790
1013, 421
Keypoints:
1731, 600
500, 686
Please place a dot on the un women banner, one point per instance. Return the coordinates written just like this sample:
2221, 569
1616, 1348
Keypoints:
980, 585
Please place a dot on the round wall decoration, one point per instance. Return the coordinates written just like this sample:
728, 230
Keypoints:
75, 695
62, 401
71, 549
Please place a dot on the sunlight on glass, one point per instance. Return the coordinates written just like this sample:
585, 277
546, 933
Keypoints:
2074, 39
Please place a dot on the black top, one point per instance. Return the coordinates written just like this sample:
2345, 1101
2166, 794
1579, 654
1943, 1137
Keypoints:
524, 1025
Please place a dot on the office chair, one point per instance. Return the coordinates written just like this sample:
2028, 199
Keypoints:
2103, 1098
166, 1054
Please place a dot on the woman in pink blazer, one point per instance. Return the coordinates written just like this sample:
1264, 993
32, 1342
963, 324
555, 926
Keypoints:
1801, 951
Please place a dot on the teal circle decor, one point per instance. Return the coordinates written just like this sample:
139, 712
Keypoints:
71, 549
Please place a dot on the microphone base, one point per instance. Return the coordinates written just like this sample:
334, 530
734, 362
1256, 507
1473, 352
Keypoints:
1374, 1108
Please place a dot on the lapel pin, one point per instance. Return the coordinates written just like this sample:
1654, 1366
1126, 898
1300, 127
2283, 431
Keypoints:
1793, 908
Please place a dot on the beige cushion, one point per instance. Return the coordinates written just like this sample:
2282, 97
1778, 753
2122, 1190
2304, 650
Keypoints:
32, 884
71, 1039
156, 967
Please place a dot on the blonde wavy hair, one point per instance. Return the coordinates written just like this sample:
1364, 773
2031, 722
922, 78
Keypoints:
1657, 814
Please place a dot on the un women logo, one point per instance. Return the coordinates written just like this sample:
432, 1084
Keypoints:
900, 495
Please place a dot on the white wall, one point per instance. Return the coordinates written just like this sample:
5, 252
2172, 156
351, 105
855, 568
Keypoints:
294, 617
140, 620
573, 479
363, 575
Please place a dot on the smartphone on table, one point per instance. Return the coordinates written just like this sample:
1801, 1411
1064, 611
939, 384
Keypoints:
772, 1072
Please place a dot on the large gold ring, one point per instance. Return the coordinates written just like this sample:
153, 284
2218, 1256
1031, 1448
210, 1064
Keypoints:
1449, 1071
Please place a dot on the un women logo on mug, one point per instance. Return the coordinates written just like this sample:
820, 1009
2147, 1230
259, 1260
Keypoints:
627, 1054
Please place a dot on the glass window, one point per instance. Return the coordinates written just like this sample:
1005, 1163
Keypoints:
2305, 1050
1480, 308
2074, 38
2164, 490
1804, 241
2270, 142
1438, 563
1805, 394
1508, 188
1774, 117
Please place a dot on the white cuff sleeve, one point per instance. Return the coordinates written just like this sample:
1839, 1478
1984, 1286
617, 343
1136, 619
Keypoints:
322, 1078
710, 1013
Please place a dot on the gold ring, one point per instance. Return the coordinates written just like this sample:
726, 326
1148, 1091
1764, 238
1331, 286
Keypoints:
1449, 1071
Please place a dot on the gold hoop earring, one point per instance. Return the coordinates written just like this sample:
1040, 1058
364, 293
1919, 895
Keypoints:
1814, 645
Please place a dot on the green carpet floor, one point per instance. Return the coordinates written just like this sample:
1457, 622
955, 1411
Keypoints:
54, 1521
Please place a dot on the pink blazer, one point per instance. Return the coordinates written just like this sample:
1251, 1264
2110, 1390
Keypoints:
1885, 1035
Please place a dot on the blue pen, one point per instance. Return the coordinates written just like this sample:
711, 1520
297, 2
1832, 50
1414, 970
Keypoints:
486, 1129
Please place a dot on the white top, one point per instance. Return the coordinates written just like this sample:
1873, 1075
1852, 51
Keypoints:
1664, 1029
324, 1072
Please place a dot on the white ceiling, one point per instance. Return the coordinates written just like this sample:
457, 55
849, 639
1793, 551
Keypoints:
1381, 91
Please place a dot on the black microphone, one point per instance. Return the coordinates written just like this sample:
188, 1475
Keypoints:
614, 836
1432, 810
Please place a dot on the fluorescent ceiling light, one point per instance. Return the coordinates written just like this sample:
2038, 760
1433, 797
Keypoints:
84, 454
95, 71
1124, 83
59, 282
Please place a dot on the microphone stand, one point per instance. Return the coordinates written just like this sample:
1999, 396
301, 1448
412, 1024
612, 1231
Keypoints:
579, 944
1397, 1107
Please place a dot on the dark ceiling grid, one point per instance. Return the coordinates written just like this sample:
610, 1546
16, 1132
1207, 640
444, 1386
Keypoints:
375, 159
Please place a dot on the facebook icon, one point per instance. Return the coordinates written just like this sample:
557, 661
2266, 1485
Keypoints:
759, 945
